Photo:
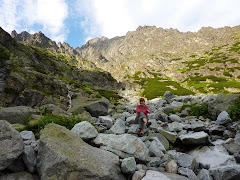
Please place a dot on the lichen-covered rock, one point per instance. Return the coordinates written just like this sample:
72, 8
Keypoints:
172, 137
124, 145
11, 144
63, 155
18, 176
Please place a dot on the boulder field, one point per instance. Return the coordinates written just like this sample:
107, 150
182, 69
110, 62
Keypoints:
176, 146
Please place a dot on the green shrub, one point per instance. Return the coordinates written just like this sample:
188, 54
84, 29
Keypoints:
199, 110
225, 73
111, 95
67, 121
3, 55
234, 110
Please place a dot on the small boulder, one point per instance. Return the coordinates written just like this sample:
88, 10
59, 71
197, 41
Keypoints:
128, 165
223, 118
172, 137
187, 172
197, 138
97, 108
171, 167
85, 130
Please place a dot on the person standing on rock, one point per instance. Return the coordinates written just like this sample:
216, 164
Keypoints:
142, 118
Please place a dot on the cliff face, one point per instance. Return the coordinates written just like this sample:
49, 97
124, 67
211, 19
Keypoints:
152, 55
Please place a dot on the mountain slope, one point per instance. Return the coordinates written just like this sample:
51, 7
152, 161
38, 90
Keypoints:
33, 76
152, 60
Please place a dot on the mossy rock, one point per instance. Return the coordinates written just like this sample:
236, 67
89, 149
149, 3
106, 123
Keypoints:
64, 155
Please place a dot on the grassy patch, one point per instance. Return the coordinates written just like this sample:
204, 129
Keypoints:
67, 121
111, 95
217, 85
234, 110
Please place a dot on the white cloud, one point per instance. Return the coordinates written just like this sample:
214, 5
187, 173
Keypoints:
22, 15
116, 17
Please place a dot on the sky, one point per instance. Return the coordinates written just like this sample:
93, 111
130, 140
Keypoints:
77, 21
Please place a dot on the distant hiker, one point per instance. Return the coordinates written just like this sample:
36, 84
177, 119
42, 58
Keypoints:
142, 117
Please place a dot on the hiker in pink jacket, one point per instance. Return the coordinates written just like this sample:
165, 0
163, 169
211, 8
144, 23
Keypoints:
142, 117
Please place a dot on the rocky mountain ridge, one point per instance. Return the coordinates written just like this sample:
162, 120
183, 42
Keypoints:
156, 54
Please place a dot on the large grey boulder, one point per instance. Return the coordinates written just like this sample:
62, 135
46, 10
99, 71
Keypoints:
124, 145
175, 118
11, 144
213, 156
128, 165
85, 130
17, 114
119, 127
97, 108
223, 118
63, 155
156, 175
197, 126
230, 172
197, 138
187, 161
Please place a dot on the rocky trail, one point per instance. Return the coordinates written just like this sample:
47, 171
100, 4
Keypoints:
177, 145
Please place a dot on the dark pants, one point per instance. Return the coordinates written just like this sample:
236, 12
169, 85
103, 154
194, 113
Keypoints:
139, 119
